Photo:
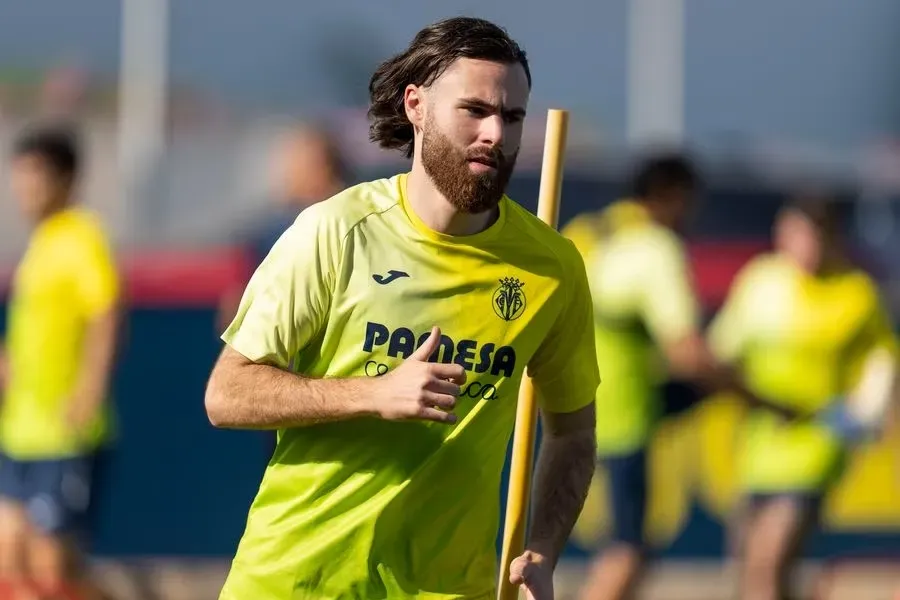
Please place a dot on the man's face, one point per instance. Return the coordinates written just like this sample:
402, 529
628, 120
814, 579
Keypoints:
35, 185
673, 206
304, 173
798, 237
681, 200
472, 129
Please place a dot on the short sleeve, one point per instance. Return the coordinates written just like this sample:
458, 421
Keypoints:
564, 369
668, 303
97, 285
727, 334
581, 231
286, 302
877, 333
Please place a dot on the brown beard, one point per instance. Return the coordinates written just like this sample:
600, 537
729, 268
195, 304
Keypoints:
448, 168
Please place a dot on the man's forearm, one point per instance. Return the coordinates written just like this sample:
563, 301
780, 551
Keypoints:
244, 395
563, 475
690, 358
4, 365
730, 382
870, 399
99, 355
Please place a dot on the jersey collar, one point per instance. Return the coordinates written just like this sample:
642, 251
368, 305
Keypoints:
470, 240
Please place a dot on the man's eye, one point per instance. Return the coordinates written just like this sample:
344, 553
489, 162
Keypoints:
475, 111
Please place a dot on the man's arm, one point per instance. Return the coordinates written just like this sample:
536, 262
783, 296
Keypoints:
565, 466
99, 355
862, 413
243, 394
247, 395
871, 371
92, 384
4, 366
97, 300
690, 358
672, 312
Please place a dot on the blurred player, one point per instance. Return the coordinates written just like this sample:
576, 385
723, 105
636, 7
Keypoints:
808, 330
584, 230
308, 168
644, 306
649, 343
385, 337
60, 344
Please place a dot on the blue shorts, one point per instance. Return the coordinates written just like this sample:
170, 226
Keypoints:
809, 502
627, 477
57, 494
678, 397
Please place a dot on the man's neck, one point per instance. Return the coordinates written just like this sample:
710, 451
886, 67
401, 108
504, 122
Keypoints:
437, 212
51, 211
658, 214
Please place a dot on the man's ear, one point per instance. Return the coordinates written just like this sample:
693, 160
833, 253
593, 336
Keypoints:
414, 105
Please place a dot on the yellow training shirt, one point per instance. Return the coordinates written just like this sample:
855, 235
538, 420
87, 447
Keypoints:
66, 278
368, 508
800, 340
584, 231
643, 297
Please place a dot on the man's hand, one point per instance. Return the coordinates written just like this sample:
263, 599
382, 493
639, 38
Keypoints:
535, 573
82, 410
841, 422
418, 389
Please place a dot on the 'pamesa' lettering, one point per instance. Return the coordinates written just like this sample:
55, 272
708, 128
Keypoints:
471, 354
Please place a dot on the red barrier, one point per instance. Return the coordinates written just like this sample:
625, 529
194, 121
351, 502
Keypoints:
716, 263
184, 279
199, 278
175, 278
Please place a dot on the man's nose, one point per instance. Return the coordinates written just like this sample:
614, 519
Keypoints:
492, 129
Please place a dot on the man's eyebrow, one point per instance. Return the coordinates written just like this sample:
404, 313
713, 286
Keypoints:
477, 102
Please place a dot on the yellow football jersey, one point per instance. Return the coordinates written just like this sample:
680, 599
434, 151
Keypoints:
66, 278
643, 296
368, 508
584, 231
800, 340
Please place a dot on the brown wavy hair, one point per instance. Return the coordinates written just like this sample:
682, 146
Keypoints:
429, 54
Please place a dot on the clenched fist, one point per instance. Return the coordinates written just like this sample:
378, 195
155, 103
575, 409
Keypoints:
418, 389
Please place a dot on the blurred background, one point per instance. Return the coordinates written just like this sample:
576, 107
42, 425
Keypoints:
189, 112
